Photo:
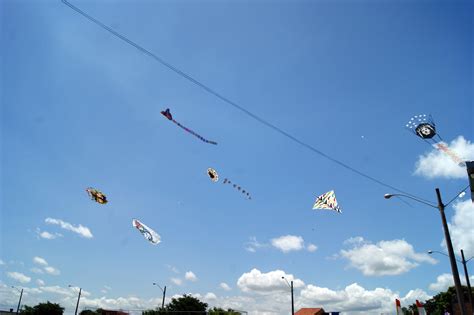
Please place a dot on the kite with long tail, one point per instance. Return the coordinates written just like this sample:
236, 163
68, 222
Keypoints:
168, 115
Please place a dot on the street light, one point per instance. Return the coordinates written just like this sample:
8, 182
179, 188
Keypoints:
464, 262
292, 299
164, 293
19, 301
449, 244
78, 298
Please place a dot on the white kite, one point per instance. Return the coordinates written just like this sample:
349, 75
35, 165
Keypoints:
148, 233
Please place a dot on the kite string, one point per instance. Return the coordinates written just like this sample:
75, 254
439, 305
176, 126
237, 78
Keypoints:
228, 101
193, 133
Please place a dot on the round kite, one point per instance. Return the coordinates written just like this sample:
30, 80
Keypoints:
212, 173
147, 232
96, 195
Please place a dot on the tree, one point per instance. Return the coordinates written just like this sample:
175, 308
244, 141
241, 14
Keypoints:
47, 308
186, 303
220, 311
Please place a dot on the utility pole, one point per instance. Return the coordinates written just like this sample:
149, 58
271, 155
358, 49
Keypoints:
292, 300
452, 258
78, 298
469, 293
163, 302
19, 302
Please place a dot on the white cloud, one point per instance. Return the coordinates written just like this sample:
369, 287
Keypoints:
40, 261
256, 281
2, 262
384, 258
48, 236
81, 230
18, 276
288, 243
225, 286
461, 228
177, 281
190, 276
52, 271
311, 248
36, 270
253, 245
354, 299
445, 280
40, 282
173, 268
210, 296
439, 164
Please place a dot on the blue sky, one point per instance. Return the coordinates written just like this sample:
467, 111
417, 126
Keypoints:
81, 108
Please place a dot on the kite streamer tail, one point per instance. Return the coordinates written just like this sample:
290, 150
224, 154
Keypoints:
193, 133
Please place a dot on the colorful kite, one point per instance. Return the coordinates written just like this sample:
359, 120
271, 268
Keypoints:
424, 127
148, 233
96, 195
327, 201
168, 115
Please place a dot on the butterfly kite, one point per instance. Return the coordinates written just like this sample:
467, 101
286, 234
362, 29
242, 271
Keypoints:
327, 201
212, 173
424, 127
96, 195
168, 115
148, 233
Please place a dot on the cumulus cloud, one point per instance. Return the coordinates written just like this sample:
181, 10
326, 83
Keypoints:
439, 164
445, 280
256, 281
18, 276
81, 230
210, 296
288, 243
354, 299
52, 271
461, 228
311, 248
190, 276
177, 281
384, 258
40, 282
40, 261
225, 286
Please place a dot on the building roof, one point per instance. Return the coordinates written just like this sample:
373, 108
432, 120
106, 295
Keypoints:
310, 311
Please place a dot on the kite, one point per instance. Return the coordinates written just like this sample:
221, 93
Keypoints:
424, 127
168, 115
327, 201
212, 173
96, 195
148, 233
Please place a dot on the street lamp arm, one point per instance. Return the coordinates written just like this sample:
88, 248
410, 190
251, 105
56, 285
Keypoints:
388, 196
435, 251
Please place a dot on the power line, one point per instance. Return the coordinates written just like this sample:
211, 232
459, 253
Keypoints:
234, 104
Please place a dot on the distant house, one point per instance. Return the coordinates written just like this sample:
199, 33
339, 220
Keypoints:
314, 311
310, 311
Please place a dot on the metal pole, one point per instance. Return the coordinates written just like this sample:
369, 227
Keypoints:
292, 300
19, 302
452, 258
78, 298
469, 293
163, 302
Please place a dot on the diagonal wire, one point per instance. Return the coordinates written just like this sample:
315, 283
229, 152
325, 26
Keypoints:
228, 101
457, 195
